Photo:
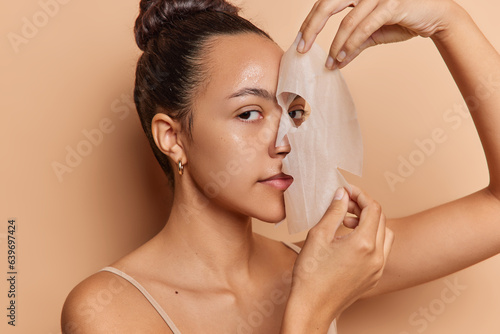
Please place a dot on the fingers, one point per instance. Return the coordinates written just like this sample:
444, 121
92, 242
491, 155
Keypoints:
371, 218
351, 222
317, 18
368, 43
360, 197
358, 30
386, 34
362, 27
310, 31
334, 215
353, 208
348, 25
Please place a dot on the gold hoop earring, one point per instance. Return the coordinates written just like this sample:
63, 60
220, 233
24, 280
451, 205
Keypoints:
181, 168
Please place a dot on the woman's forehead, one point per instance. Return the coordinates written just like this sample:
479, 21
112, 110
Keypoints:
244, 60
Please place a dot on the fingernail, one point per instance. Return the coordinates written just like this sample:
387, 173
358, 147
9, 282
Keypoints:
341, 56
299, 36
300, 41
301, 45
339, 193
329, 62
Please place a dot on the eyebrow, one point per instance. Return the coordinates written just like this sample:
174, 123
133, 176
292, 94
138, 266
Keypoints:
254, 91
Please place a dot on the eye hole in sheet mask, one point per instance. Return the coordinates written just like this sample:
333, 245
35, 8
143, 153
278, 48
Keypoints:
299, 111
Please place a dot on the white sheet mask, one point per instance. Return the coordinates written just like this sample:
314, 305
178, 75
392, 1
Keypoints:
329, 138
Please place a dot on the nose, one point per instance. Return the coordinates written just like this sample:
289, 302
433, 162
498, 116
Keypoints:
283, 148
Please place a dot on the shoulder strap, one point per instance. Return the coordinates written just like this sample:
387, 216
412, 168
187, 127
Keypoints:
146, 294
333, 327
292, 246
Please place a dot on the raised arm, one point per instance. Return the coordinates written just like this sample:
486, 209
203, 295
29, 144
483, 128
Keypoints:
455, 235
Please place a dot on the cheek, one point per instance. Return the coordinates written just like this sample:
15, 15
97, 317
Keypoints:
224, 158
226, 164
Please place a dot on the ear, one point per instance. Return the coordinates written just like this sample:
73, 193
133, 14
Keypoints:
166, 134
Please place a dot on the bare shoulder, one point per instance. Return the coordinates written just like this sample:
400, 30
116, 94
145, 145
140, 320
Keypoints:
93, 305
101, 303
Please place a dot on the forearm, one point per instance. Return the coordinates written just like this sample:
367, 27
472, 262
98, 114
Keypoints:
440, 241
475, 66
452, 236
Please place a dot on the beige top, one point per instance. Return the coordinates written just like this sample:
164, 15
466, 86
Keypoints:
164, 315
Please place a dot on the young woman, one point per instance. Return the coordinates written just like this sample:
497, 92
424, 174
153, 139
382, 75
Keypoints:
205, 88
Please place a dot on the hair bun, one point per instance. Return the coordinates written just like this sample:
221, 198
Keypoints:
155, 15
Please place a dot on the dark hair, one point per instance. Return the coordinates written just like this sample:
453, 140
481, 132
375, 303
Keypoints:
174, 36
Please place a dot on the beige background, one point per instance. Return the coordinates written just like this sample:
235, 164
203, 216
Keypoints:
74, 74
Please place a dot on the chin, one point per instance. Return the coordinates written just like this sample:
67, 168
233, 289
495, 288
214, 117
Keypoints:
271, 208
273, 216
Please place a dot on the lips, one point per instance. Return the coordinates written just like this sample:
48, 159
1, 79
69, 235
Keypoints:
278, 176
280, 181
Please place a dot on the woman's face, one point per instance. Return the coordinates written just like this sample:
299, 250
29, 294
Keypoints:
235, 123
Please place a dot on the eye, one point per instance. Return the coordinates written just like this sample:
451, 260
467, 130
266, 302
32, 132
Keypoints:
246, 116
294, 113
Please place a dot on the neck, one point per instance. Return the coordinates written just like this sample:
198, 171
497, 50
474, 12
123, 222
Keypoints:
213, 240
